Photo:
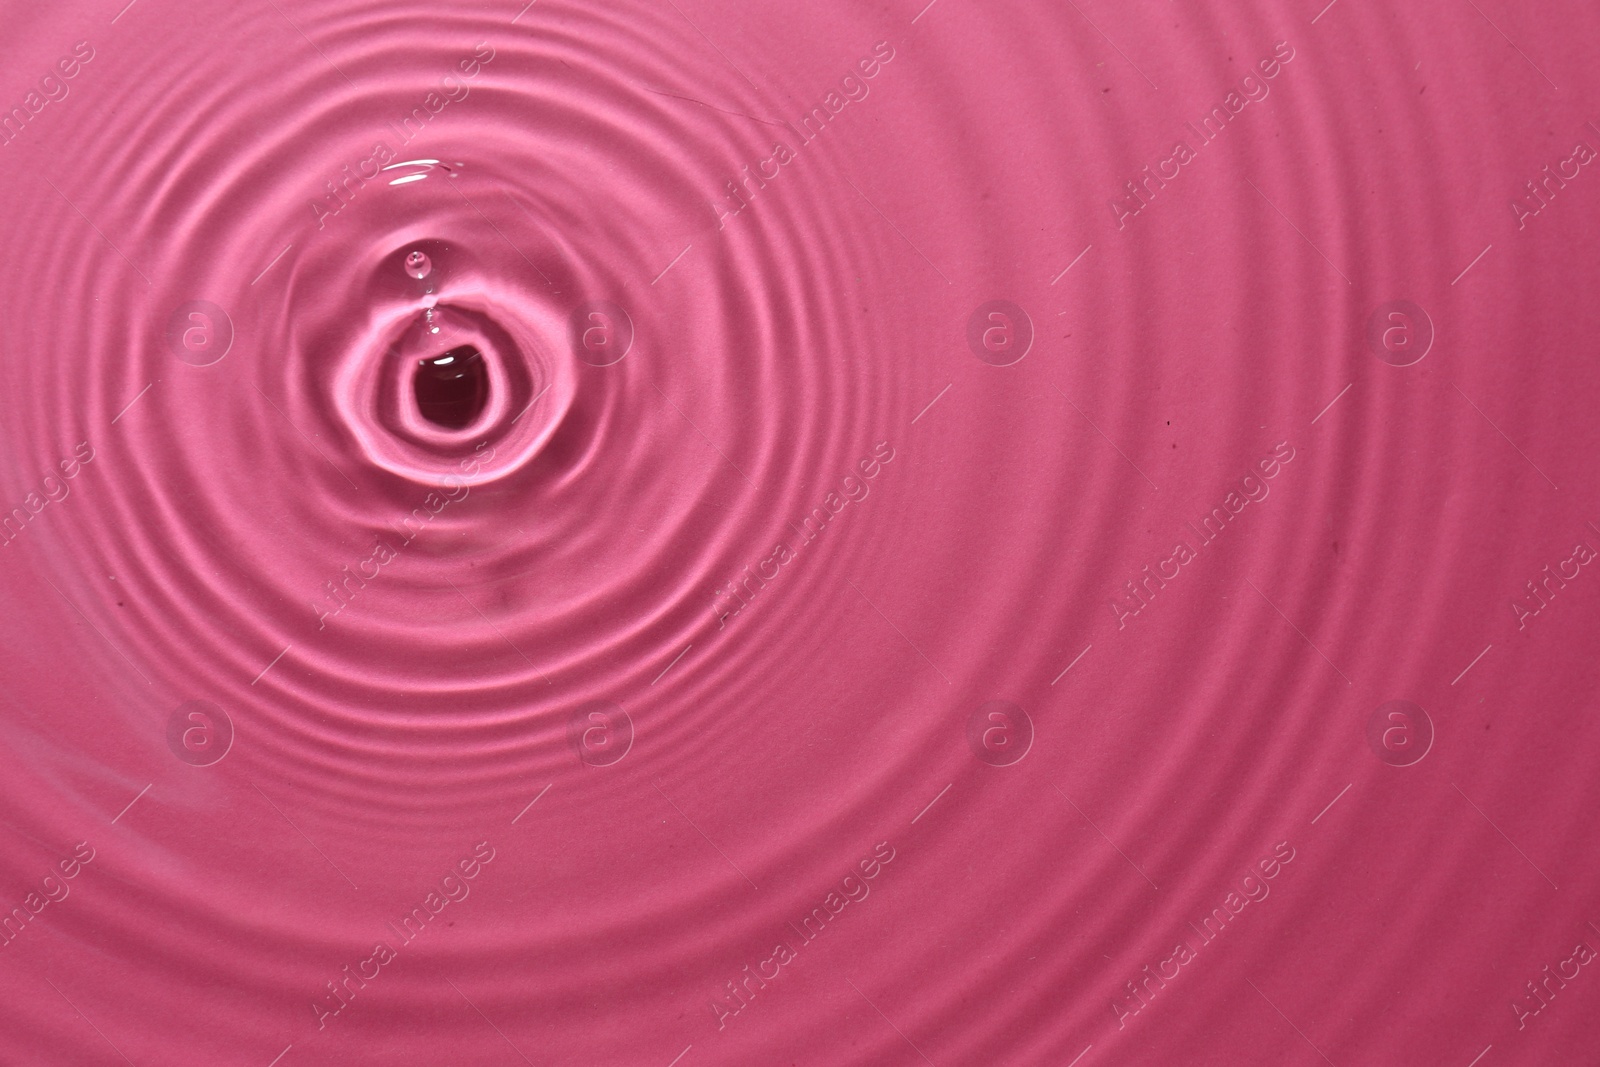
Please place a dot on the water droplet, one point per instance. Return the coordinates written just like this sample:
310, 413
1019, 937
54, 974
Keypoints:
418, 265
452, 389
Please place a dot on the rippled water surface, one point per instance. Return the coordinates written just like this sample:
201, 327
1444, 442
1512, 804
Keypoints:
685, 533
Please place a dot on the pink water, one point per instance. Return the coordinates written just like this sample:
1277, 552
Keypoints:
882, 590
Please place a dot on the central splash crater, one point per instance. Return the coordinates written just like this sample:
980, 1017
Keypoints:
453, 389
452, 363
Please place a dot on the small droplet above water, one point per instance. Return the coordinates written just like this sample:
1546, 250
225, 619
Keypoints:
452, 389
418, 265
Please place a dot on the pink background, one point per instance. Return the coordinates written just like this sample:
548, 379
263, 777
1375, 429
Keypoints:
614, 768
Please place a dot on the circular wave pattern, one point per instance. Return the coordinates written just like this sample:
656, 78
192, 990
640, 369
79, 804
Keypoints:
591, 530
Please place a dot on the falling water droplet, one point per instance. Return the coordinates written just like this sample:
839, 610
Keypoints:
452, 389
418, 265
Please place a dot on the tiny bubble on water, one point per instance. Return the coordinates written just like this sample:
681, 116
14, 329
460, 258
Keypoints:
418, 265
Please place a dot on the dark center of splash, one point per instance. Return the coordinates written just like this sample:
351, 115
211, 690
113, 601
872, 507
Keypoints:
452, 389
